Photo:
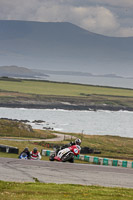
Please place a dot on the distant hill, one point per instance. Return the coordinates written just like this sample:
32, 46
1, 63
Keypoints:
15, 71
72, 73
64, 47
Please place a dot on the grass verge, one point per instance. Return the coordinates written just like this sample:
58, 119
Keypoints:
41, 191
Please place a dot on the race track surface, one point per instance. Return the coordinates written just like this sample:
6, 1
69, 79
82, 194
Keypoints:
54, 172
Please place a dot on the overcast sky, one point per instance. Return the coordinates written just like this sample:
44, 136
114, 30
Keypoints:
107, 17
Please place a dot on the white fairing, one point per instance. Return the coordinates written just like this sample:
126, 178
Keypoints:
78, 147
75, 150
62, 152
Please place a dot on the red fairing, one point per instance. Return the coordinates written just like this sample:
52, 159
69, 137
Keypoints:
57, 158
74, 149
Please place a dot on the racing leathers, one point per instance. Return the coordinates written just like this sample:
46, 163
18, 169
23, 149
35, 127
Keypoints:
35, 156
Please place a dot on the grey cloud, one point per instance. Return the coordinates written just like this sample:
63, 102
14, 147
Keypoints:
100, 16
116, 3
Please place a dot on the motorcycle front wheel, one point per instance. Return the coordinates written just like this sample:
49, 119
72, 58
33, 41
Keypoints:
67, 157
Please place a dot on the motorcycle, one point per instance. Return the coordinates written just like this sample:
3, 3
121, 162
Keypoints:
66, 154
23, 156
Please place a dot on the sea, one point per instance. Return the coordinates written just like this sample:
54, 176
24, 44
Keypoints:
101, 81
101, 122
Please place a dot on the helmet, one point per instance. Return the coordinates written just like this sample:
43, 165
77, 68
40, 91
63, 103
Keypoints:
26, 149
78, 141
35, 150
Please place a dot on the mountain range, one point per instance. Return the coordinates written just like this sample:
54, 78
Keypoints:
62, 46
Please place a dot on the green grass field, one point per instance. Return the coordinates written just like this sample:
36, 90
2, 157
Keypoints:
63, 89
42, 191
34, 92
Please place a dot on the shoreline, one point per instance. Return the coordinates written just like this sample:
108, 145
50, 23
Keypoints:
65, 106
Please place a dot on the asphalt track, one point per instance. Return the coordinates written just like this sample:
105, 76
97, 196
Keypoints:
54, 172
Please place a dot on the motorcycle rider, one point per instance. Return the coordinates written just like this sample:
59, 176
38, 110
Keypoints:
24, 153
35, 154
76, 142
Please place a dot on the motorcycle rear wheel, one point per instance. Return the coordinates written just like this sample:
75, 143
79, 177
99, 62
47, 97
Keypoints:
51, 158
